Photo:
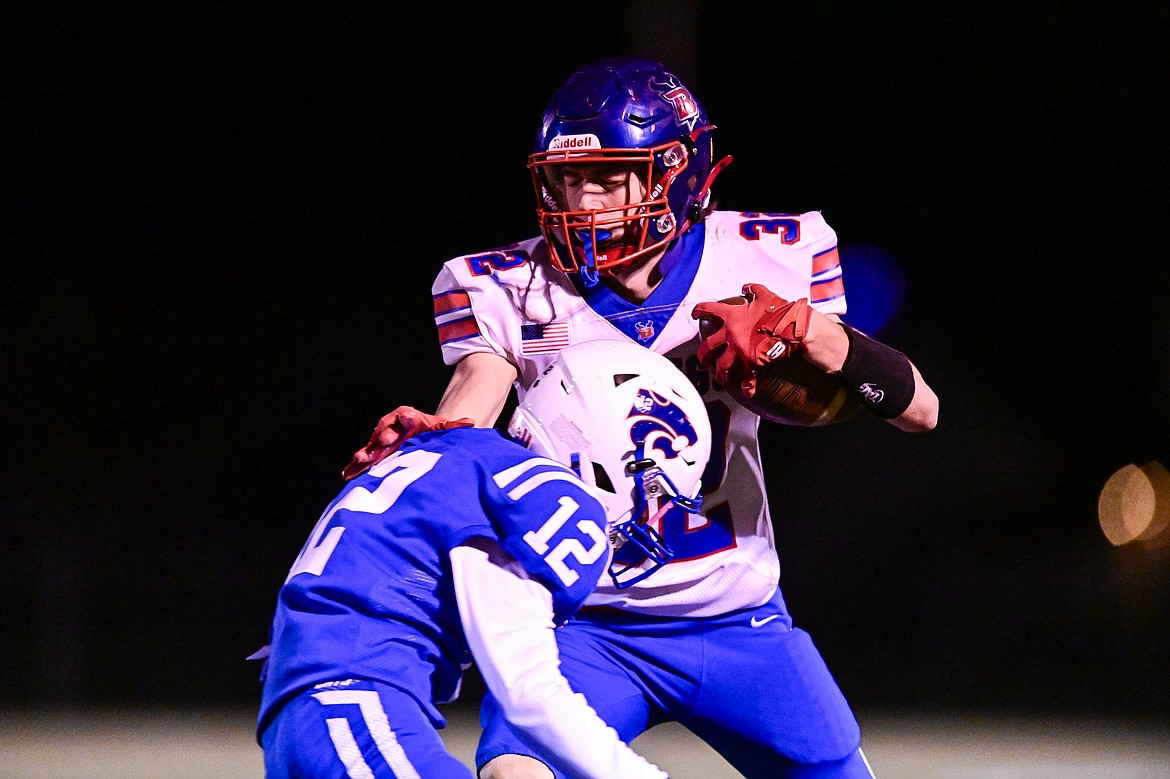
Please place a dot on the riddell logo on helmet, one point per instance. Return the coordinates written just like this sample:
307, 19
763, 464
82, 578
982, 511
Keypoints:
569, 142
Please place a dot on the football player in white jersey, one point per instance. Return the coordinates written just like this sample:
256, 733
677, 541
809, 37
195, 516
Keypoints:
464, 545
630, 249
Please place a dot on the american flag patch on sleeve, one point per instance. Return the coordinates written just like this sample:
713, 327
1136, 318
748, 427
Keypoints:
543, 338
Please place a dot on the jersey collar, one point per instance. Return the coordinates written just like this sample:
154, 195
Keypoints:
642, 322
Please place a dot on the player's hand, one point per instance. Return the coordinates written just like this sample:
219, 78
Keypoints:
765, 328
392, 432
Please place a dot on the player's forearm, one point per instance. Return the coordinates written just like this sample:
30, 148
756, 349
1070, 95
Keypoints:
827, 346
922, 413
582, 743
478, 389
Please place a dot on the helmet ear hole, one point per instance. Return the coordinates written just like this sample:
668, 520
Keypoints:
621, 378
601, 479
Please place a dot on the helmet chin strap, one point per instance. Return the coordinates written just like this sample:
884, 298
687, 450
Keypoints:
590, 238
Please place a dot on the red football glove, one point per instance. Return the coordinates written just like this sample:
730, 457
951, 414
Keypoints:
764, 329
392, 432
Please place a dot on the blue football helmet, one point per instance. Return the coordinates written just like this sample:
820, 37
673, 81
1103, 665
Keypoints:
638, 115
634, 429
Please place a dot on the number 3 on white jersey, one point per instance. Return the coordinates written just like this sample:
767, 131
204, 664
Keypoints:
401, 472
538, 540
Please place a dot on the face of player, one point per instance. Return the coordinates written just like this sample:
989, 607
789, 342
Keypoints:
602, 187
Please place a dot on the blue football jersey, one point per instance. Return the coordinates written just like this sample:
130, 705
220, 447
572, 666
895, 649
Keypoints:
371, 594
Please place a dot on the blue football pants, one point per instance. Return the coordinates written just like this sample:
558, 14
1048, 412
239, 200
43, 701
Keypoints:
356, 730
747, 683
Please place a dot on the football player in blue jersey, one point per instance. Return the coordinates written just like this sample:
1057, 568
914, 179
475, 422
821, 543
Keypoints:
464, 546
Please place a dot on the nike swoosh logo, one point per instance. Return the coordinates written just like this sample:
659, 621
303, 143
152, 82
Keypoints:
757, 622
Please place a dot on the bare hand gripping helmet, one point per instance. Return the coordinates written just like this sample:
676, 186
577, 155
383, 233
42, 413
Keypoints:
630, 112
635, 429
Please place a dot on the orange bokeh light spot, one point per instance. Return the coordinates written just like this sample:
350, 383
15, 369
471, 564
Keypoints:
1134, 504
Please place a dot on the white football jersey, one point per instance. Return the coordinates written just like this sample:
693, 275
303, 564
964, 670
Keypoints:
513, 302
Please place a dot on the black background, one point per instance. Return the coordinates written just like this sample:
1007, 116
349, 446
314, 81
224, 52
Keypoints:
219, 226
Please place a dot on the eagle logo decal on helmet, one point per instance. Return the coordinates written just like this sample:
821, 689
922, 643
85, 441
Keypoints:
660, 425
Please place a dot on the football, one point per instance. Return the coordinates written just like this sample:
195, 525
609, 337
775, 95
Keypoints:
791, 391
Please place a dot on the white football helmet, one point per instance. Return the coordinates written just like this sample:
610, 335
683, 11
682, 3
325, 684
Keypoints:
634, 428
